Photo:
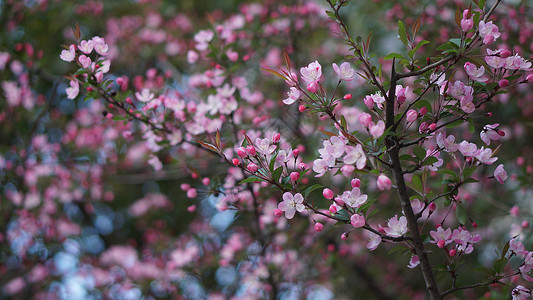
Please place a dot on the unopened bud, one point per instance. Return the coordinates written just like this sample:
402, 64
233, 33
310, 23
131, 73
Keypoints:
332, 209
251, 150
319, 227
276, 138
241, 151
344, 236
252, 167
302, 166
278, 213
236, 161
347, 97
301, 108
328, 194
295, 176
503, 83
356, 182
296, 152
453, 252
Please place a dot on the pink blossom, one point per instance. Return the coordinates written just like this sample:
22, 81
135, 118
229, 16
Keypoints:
333, 147
441, 237
467, 24
356, 182
446, 143
291, 204
517, 63
312, 72
489, 133
252, 167
396, 228
319, 227
73, 90
485, 156
377, 130
353, 198
345, 71
374, 241
517, 248
475, 73
527, 267
192, 56
357, 221
86, 46
488, 31
263, 146
293, 95
313, 87
68, 55
376, 98
202, 38
85, 61
521, 293
468, 149
100, 46
413, 262
355, 155
493, 59
417, 206
327, 193
384, 183
500, 174
144, 96
294, 176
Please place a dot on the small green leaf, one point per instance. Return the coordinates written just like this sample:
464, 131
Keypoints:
420, 44
402, 32
311, 189
417, 183
500, 264
331, 15
468, 171
460, 214
393, 55
251, 179
277, 174
429, 161
505, 249
419, 152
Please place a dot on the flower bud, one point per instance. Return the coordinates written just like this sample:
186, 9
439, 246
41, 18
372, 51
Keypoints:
296, 153
319, 227
191, 208
295, 176
241, 151
302, 166
206, 181
356, 182
432, 207
423, 127
365, 119
525, 224
384, 183
441, 244
251, 150
312, 87
503, 83
432, 127
423, 111
453, 252
332, 209
347, 97
328, 194
278, 213
185, 186
301, 108
505, 53
191, 193
411, 115
236, 161
529, 78
252, 167
344, 236
276, 138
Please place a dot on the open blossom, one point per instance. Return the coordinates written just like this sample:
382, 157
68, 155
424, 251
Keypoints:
396, 227
485, 156
374, 241
377, 130
500, 174
446, 143
86, 46
100, 46
468, 149
376, 98
345, 71
144, 95
527, 267
355, 155
85, 61
465, 239
441, 237
68, 55
293, 95
291, 204
312, 72
521, 293
73, 90
493, 58
413, 262
353, 198
516, 62
263, 146
475, 73
357, 220
489, 133
488, 31
334, 147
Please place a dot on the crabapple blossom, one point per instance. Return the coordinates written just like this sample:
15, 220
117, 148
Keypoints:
353, 198
377, 130
485, 156
411, 115
488, 31
374, 241
355, 155
327, 193
293, 95
489, 133
500, 174
413, 262
144, 95
100, 46
446, 143
396, 227
319, 227
86, 46
376, 98
441, 237
521, 293
493, 58
345, 71
264, 147
252, 167
475, 73
357, 220
73, 90
365, 119
312, 72
85, 61
68, 55
291, 204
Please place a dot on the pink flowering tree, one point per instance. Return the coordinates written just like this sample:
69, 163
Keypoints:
191, 155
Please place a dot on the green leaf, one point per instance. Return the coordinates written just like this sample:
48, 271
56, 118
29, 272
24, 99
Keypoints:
455, 124
468, 171
429, 161
500, 264
419, 152
331, 15
277, 174
251, 179
505, 249
285, 180
364, 208
402, 32
460, 214
343, 215
417, 183
470, 180
311, 189
302, 174
393, 55
272, 162
408, 158
420, 44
